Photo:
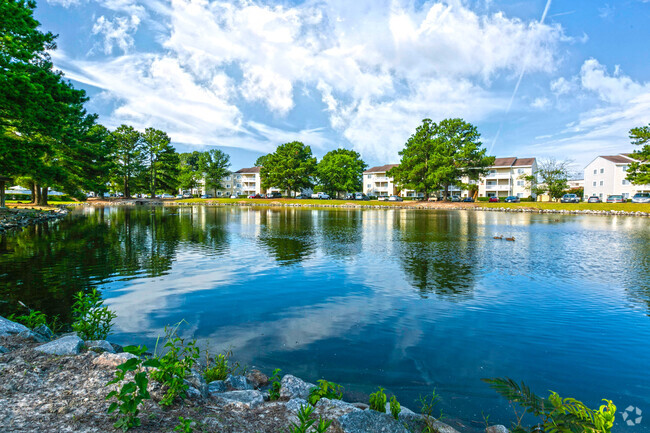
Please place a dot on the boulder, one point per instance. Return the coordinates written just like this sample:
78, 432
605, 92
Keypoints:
99, 346
362, 406
45, 331
404, 410
333, 409
246, 399
295, 404
362, 421
33, 336
4, 349
196, 380
117, 348
217, 386
62, 346
7, 327
112, 360
257, 378
293, 387
237, 383
497, 429
416, 422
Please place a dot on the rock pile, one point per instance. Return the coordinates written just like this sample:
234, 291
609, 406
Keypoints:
18, 218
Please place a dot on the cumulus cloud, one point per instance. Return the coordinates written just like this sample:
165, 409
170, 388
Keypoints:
117, 32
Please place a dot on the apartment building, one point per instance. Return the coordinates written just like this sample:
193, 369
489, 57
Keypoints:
606, 175
377, 182
247, 181
505, 178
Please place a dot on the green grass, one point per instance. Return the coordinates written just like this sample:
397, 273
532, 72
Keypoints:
628, 207
268, 201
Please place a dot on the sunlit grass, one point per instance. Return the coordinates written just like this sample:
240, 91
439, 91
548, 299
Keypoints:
628, 207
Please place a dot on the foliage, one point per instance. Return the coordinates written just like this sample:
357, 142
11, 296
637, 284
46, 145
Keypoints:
162, 173
290, 168
325, 389
189, 171
395, 407
378, 400
341, 170
274, 392
175, 364
305, 421
129, 156
638, 172
32, 320
555, 414
553, 175
214, 165
133, 393
428, 403
184, 425
438, 156
92, 321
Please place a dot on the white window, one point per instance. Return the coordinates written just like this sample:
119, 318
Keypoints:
602, 170
227, 177
239, 185
370, 176
228, 185
601, 183
520, 171
625, 182
493, 172
520, 183
594, 183
595, 171
624, 168
239, 176
369, 185
520, 194
219, 193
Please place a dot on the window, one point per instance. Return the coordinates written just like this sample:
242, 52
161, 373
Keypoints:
625, 182
493, 172
624, 167
602, 170
370, 176
520, 171
219, 193
369, 185
595, 171
520, 194
239, 185
227, 185
594, 183
227, 177
601, 183
520, 183
626, 195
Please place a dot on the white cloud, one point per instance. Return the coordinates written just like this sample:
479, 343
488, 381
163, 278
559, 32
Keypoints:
540, 103
616, 88
562, 86
118, 32
65, 3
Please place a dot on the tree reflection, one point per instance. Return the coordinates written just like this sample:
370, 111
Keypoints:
341, 232
288, 234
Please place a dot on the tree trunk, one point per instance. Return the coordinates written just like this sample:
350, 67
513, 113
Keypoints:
37, 194
446, 193
34, 194
42, 199
127, 193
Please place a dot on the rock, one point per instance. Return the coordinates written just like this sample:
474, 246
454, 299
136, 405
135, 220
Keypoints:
295, 404
246, 399
99, 346
497, 429
257, 378
363, 421
217, 386
193, 393
4, 349
332, 409
7, 327
112, 360
117, 348
237, 383
33, 336
62, 346
196, 379
362, 406
292, 387
45, 331
404, 410
416, 422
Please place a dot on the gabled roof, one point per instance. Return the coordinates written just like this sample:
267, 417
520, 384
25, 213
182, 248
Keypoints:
380, 168
504, 162
249, 170
524, 162
618, 159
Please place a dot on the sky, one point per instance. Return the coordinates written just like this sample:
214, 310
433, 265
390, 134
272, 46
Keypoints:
539, 78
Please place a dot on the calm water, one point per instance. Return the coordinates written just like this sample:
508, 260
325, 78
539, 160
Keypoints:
408, 300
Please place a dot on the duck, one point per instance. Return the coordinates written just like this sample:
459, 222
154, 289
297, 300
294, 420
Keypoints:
511, 239
498, 237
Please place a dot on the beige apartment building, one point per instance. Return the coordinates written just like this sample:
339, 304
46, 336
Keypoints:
376, 182
606, 175
505, 178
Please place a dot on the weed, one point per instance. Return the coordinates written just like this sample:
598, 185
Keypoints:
305, 421
325, 389
32, 320
378, 400
220, 369
132, 393
395, 407
274, 392
184, 425
428, 403
92, 321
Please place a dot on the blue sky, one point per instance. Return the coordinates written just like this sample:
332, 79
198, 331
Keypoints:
246, 76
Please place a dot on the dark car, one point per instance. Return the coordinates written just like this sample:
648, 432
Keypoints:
494, 200
360, 196
616, 199
570, 198
512, 199
468, 200
594, 199
274, 195
255, 196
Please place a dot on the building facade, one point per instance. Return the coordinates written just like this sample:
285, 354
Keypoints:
377, 182
506, 178
606, 175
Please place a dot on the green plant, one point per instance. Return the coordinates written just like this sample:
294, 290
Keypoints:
92, 321
325, 389
219, 371
555, 414
184, 425
175, 364
274, 392
395, 407
133, 393
428, 403
305, 421
378, 400
32, 320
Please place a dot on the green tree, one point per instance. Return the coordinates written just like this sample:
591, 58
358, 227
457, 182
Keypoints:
162, 172
290, 168
639, 170
129, 156
438, 156
553, 176
341, 170
189, 170
214, 165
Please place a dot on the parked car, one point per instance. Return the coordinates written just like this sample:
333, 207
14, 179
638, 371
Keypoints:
206, 196
641, 197
383, 198
275, 194
166, 196
512, 199
179, 196
594, 199
301, 196
570, 198
255, 196
494, 200
395, 198
616, 199
468, 200
455, 198
434, 198
360, 196
320, 196
187, 195
233, 196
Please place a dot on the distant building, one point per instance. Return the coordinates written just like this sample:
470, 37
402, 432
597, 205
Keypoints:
576, 183
376, 182
505, 178
606, 175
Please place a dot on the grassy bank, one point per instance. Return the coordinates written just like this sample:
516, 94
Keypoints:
627, 207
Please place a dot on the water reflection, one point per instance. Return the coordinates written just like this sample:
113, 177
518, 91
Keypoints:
287, 234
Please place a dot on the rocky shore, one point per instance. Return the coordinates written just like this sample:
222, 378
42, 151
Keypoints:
54, 383
18, 218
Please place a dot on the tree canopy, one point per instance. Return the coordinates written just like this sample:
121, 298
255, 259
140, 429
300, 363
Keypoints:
341, 170
639, 170
290, 168
554, 176
162, 160
215, 166
129, 156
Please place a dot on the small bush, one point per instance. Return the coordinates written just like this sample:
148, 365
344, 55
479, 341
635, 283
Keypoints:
220, 369
184, 425
395, 407
274, 392
32, 320
378, 400
305, 422
92, 321
482, 198
428, 403
325, 389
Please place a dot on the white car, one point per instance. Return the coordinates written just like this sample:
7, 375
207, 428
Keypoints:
641, 197
320, 196
395, 198
166, 196
233, 196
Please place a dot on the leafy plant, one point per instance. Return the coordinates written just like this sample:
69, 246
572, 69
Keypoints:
395, 407
184, 425
305, 421
32, 320
219, 371
133, 393
92, 321
428, 403
378, 400
325, 389
175, 364
555, 414
274, 392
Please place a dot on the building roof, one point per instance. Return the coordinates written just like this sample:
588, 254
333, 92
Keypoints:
504, 162
380, 168
249, 170
524, 162
617, 159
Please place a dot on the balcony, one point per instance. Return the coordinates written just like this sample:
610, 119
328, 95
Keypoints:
380, 188
498, 176
382, 179
497, 187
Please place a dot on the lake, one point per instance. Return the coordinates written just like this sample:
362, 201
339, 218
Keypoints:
404, 299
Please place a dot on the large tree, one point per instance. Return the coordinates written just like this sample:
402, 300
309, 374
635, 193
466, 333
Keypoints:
553, 176
189, 170
290, 168
214, 164
129, 156
438, 156
341, 170
639, 170
162, 160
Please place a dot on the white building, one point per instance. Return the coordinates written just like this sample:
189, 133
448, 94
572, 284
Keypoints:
247, 181
606, 175
376, 182
505, 178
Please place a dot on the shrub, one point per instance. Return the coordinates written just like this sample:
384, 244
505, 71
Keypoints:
305, 422
325, 389
184, 425
32, 320
219, 371
395, 407
482, 198
428, 403
92, 321
274, 392
378, 400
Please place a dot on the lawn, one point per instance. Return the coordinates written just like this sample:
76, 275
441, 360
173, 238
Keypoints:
628, 207
289, 201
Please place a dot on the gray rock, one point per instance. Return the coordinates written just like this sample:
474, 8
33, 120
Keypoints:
333, 409
497, 429
292, 387
33, 336
295, 404
257, 378
7, 327
99, 346
196, 379
362, 406
363, 421
4, 349
217, 386
416, 422
62, 346
193, 393
117, 348
404, 410
246, 399
237, 383
107, 359
45, 331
